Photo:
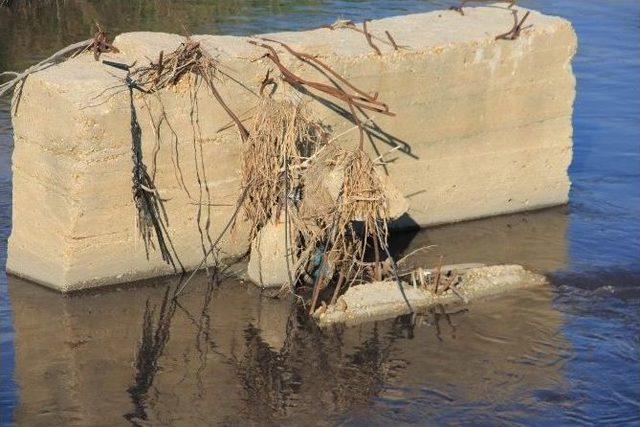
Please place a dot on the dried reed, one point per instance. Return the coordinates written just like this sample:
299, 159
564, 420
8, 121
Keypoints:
282, 138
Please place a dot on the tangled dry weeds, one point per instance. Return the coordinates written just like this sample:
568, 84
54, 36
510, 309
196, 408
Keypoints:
282, 140
343, 240
188, 60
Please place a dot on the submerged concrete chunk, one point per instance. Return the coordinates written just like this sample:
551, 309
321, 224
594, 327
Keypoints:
483, 128
383, 300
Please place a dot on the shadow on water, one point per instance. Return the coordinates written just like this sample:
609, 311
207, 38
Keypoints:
536, 240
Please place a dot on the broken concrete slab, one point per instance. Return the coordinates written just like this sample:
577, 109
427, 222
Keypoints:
383, 300
268, 267
483, 128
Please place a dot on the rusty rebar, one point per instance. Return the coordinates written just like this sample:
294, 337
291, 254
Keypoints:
357, 100
268, 80
462, 3
100, 43
244, 133
368, 37
350, 25
515, 31
392, 41
314, 61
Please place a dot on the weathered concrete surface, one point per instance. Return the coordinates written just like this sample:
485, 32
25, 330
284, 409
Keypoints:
487, 124
382, 300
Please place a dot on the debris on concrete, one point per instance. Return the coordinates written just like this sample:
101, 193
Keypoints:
324, 179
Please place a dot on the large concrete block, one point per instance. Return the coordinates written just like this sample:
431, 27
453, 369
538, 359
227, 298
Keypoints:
484, 128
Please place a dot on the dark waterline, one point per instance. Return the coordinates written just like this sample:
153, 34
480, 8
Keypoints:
565, 355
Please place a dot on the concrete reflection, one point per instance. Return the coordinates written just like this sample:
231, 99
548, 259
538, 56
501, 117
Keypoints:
225, 354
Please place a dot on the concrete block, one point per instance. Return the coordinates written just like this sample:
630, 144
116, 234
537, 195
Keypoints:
484, 128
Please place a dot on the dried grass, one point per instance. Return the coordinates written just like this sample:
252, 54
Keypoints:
283, 137
342, 242
191, 68
188, 60
333, 201
357, 222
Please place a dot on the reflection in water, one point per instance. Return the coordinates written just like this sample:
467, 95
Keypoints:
44, 26
438, 315
264, 376
152, 344
224, 354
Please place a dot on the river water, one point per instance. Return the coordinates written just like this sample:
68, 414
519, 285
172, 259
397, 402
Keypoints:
567, 354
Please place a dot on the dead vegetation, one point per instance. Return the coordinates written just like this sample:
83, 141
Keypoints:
282, 140
355, 99
188, 60
356, 223
332, 202
152, 217
195, 67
